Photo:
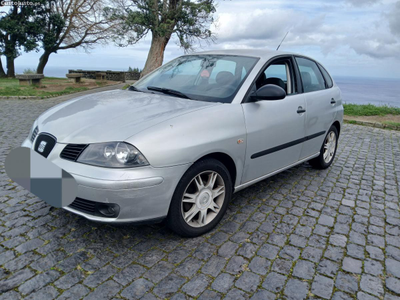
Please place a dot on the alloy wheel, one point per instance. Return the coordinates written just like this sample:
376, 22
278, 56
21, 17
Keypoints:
203, 199
329, 147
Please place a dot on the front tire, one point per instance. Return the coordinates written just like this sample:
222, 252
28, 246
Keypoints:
200, 199
328, 150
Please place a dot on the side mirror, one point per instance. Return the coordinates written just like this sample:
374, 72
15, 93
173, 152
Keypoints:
268, 92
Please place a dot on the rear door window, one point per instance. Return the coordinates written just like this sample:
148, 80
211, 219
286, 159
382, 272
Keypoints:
310, 74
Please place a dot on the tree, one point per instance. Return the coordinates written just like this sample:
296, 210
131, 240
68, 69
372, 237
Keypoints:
71, 24
188, 20
2, 73
17, 31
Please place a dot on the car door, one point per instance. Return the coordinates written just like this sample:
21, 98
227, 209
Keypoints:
320, 105
275, 129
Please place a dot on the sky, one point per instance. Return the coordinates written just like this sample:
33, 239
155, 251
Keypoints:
358, 38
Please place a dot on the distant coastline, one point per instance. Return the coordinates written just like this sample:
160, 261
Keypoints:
61, 71
357, 90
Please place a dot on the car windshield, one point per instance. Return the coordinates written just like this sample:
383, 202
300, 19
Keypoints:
212, 78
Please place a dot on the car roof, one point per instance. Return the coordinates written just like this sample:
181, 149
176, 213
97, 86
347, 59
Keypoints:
263, 54
260, 53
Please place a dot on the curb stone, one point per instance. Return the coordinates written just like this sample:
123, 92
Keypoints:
373, 124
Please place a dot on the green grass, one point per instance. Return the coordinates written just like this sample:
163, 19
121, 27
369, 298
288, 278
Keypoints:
370, 110
8, 82
55, 78
10, 87
100, 83
391, 123
32, 91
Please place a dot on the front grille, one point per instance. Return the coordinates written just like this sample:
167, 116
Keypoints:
85, 206
72, 151
34, 133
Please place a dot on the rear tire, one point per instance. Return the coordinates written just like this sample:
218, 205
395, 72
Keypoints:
328, 150
200, 199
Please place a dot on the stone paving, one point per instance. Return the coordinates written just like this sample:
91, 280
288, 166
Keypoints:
332, 234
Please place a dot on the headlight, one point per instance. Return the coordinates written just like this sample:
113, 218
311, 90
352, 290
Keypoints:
113, 155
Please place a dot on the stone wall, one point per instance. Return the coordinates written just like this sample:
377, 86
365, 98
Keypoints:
110, 75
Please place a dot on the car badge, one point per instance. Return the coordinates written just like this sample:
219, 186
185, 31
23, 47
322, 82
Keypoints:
42, 145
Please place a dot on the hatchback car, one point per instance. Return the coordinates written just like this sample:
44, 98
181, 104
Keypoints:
179, 142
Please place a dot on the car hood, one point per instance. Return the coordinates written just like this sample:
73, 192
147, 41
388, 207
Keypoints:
112, 116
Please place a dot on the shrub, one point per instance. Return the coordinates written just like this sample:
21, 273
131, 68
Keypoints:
29, 71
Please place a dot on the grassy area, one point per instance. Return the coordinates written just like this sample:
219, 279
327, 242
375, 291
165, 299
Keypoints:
31, 91
377, 116
51, 87
370, 110
14, 83
391, 123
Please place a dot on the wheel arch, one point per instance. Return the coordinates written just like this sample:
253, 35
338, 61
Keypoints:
228, 162
337, 125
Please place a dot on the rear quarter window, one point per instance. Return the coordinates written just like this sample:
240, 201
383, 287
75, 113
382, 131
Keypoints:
328, 78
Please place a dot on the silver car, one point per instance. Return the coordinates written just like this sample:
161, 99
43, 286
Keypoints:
178, 143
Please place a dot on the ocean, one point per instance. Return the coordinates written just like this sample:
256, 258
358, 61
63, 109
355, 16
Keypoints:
377, 91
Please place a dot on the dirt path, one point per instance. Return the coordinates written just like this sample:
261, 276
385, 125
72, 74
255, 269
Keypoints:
379, 119
91, 91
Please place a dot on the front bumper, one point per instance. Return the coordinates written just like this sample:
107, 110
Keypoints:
142, 193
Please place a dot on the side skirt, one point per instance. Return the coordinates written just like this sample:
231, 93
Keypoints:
247, 184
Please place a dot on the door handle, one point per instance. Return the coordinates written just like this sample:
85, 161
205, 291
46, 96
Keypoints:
333, 101
300, 110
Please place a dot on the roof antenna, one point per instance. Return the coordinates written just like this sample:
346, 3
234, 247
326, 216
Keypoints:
282, 41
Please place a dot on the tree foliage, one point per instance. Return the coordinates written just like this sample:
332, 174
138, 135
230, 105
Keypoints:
68, 24
52, 25
18, 32
188, 20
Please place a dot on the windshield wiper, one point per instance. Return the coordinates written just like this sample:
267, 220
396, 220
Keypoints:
168, 91
135, 89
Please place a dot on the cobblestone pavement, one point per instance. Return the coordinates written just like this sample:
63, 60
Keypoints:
332, 234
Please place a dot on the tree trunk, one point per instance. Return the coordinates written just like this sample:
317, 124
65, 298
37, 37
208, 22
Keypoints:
10, 67
2, 73
42, 62
156, 54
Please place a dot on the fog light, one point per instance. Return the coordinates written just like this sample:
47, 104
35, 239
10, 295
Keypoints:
108, 210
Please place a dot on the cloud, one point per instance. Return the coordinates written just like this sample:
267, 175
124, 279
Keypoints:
262, 28
256, 25
362, 2
363, 34
381, 40
376, 48
394, 19
364, 30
